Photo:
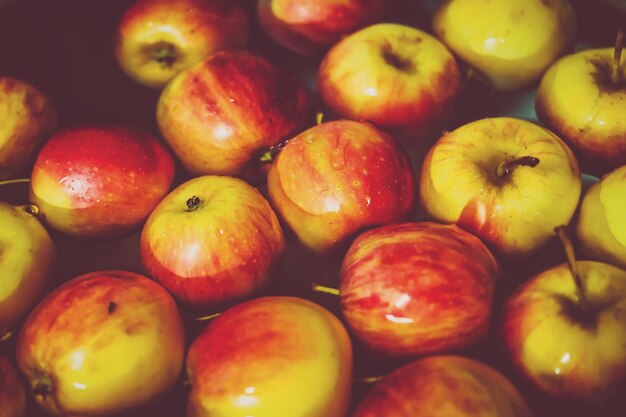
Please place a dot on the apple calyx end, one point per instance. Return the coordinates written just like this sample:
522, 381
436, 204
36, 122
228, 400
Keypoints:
164, 53
31, 209
505, 168
193, 203
42, 386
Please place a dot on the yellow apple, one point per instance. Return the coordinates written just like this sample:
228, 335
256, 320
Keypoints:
507, 180
578, 100
510, 43
601, 223
27, 257
27, 117
157, 39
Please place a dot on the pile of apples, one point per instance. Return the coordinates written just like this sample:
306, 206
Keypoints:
309, 224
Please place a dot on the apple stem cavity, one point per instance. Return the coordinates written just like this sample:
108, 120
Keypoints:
617, 57
568, 246
31, 209
193, 203
505, 168
324, 289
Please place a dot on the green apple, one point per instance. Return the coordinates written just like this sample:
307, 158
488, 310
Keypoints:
510, 43
27, 257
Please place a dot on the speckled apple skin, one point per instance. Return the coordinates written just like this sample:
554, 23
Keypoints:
340, 177
271, 357
94, 182
418, 288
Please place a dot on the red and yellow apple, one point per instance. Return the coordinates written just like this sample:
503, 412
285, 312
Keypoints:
337, 178
509, 43
101, 343
12, 394
212, 241
397, 77
100, 181
578, 100
311, 26
223, 114
28, 117
271, 357
418, 288
157, 39
27, 261
507, 180
443, 386
566, 347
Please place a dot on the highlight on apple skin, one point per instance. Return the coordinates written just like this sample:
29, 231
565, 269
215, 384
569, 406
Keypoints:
100, 181
399, 78
418, 288
157, 39
338, 178
272, 356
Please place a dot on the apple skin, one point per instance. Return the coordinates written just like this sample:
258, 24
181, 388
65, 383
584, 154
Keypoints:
511, 45
225, 250
271, 357
397, 77
309, 27
561, 351
12, 393
157, 39
101, 343
514, 214
28, 117
417, 288
337, 178
100, 181
27, 263
577, 100
600, 226
221, 115
442, 386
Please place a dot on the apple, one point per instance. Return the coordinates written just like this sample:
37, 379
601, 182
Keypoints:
223, 114
310, 26
157, 39
27, 263
442, 386
271, 357
12, 394
28, 117
100, 343
398, 77
577, 100
100, 181
508, 181
212, 241
600, 226
511, 43
337, 178
568, 339
417, 288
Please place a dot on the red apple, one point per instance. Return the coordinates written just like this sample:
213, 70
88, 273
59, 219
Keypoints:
213, 240
311, 26
221, 115
100, 343
417, 288
398, 77
12, 394
271, 357
157, 39
101, 180
336, 178
444, 386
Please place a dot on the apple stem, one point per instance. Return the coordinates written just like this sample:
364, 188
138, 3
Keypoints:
269, 155
324, 289
568, 246
369, 379
15, 181
6, 336
617, 57
193, 203
319, 118
207, 318
505, 168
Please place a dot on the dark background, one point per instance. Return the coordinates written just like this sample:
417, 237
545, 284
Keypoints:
64, 47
